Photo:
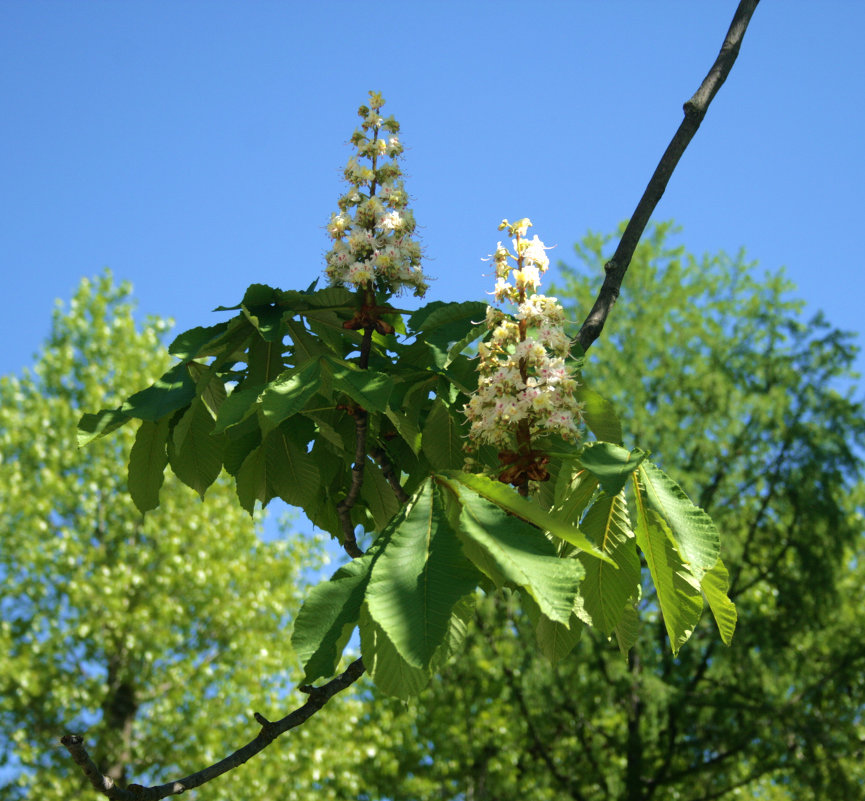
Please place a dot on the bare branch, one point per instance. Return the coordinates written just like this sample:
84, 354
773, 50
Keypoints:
695, 109
318, 697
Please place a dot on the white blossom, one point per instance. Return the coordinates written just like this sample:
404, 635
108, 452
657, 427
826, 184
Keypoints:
523, 373
373, 229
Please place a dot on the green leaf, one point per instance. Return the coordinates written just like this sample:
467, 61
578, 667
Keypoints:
420, 574
678, 591
267, 320
329, 614
291, 472
462, 374
252, 480
264, 360
187, 345
605, 589
405, 404
556, 640
611, 463
174, 390
195, 455
455, 350
147, 461
692, 529
443, 330
240, 441
367, 388
229, 346
406, 426
458, 626
335, 427
279, 466
391, 673
442, 439
573, 492
510, 501
627, 629
304, 346
599, 415
514, 553
333, 297
287, 394
260, 295
209, 386
378, 495
237, 406
94, 426
447, 322
715, 584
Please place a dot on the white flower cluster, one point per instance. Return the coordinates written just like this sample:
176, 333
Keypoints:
524, 380
372, 232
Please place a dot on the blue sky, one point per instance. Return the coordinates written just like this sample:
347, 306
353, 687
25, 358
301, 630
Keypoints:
196, 147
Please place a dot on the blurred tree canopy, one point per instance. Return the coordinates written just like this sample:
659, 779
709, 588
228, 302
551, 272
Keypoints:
156, 636
755, 406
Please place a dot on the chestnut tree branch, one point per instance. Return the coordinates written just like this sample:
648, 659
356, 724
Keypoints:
318, 697
695, 109
361, 422
389, 472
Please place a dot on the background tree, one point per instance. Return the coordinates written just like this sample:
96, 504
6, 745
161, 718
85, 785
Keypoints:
719, 373
157, 634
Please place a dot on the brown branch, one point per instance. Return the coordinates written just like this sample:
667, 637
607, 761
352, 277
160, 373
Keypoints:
389, 472
318, 697
361, 420
695, 109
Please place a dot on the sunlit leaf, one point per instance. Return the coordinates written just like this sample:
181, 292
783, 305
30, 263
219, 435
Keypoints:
367, 388
419, 576
607, 588
94, 426
174, 390
715, 584
237, 406
678, 591
611, 463
692, 529
390, 671
442, 439
599, 415
287, 394
514, 553
188, 344
509, 500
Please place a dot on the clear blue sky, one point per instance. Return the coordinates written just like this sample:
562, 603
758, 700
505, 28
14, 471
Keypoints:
196, 147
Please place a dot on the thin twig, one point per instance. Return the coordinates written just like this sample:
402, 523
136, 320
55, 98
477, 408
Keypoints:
695, 109
318, 697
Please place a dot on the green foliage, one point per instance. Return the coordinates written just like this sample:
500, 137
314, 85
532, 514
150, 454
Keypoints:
285, 429
750, 407
154, 636
275, 397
